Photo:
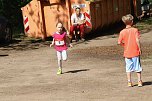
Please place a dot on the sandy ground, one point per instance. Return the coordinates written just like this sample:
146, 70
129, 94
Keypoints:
94, 72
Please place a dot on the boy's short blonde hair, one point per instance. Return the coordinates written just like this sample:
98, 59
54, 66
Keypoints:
127, 19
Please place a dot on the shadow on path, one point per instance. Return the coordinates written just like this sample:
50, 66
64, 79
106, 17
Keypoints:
2, 55
148, 83
76, 71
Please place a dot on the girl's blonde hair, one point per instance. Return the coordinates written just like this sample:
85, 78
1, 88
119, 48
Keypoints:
127, 19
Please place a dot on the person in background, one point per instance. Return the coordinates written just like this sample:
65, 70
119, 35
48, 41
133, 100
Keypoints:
78, 24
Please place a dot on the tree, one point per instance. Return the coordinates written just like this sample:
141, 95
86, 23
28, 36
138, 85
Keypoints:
11, 10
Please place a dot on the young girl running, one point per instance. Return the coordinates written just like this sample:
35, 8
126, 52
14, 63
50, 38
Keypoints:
60, 39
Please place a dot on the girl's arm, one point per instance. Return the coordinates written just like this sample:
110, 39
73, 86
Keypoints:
52, 44
68, 41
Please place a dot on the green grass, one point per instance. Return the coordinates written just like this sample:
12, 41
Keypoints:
147, 21
144, 24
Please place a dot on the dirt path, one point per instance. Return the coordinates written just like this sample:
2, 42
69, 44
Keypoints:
94, 72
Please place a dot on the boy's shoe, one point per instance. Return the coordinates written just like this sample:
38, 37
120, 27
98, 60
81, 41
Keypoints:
130, 84
140, 84
59, 71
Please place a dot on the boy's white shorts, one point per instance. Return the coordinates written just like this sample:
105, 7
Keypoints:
62, 55
133, 64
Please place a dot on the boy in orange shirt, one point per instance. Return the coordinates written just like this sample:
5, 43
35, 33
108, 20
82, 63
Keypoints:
129, 39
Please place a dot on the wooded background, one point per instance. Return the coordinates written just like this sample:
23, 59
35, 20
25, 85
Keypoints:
11, 10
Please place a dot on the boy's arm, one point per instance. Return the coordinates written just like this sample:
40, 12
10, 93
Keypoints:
138, 41
120, 40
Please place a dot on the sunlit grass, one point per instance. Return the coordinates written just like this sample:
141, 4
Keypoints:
144, 25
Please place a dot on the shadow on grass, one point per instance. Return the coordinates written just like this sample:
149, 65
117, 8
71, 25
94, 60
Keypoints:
76, 71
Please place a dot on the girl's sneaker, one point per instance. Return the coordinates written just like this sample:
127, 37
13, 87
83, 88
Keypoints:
130, 84
140, 84
59, 71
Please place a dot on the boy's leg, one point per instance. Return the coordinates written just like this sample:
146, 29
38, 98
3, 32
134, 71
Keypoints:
139, 79
129, 76
129, 79
129, 68
139, 76
138, 69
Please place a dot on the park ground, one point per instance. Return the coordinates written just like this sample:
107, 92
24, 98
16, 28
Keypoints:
94, 71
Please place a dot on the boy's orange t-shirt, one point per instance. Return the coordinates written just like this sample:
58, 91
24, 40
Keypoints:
128, 37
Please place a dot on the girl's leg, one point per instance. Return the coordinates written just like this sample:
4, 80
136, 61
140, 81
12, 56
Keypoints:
59, 59
64, 55
60, 64
59, 56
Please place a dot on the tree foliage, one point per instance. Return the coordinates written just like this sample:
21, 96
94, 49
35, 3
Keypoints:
11, 10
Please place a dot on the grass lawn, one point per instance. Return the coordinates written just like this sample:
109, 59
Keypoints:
144, 25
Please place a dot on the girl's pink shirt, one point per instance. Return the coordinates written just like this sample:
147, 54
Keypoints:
61, 36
